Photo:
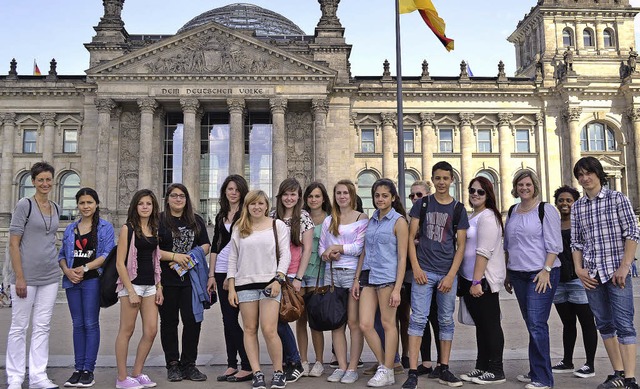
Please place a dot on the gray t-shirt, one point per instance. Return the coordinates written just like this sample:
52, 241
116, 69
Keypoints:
38, 252
436, 246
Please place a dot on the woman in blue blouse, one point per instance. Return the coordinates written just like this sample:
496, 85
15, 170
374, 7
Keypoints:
85, 245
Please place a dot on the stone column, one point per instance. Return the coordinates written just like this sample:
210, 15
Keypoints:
573, 116
599, 31
388, 143
543, 161
319, 109
429, 143
191, 150
48, 143
236, 136
278, 144
634, 115
506, 148
147, 107
6, 173
104, 106
466, 147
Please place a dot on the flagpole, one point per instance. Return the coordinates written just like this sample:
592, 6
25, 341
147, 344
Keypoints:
400, 133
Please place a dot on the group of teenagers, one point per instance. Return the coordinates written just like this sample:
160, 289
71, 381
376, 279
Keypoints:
403, 271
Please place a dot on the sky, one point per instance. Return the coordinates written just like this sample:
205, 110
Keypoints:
44, 29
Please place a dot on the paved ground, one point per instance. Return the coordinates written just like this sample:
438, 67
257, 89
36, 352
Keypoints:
212, 357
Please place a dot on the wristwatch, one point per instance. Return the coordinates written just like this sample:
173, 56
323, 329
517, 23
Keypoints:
279, 278
547, 268
85, 268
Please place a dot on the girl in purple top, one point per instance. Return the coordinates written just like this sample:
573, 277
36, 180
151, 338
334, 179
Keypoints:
532, 248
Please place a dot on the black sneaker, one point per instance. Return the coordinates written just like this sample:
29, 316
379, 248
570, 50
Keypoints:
86, 379
630, 383
435, 373
447, 378
334, 364
561, 368
613, 381
174, 372
422, 369
360, 363
471, 375
73, 380
279, 380
294, 372
490, 378
585, 371
411, 382
258, 381
192, 373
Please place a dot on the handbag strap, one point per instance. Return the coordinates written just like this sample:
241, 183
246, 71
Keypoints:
275, 235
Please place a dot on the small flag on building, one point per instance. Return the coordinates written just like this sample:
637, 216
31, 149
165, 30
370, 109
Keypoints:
469, 69
430, 16
36, 69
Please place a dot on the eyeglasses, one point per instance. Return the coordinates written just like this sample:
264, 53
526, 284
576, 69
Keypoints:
480, 192
414, 195
178, 196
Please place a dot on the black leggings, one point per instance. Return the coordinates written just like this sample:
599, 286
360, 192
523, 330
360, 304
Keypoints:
568, 313
233, 334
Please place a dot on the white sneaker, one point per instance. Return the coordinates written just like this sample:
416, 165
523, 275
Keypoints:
14, 386
336, 376
349, 377
317, 369
305, 369
44, 384
383, 377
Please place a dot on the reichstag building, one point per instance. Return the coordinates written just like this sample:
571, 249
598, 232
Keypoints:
241, 89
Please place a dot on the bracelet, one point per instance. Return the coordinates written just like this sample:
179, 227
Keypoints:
173, 256
476, 282
159, 286
211, 276
297, 278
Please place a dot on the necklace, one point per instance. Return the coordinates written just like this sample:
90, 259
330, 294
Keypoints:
47, 228
527, 209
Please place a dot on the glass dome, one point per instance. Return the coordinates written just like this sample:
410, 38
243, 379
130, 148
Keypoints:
249, 17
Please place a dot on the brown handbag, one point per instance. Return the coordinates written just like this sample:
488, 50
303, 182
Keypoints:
291, 302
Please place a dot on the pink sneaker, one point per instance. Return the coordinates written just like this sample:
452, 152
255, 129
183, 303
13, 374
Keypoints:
145, 381
128, 383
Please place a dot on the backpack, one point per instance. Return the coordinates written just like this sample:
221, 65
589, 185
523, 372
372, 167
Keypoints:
109, 277
457, 213
540, 211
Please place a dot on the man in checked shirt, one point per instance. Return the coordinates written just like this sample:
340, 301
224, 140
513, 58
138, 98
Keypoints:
604, 236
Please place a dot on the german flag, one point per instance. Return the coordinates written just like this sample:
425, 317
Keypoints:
430, 16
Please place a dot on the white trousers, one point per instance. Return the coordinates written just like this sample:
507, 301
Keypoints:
39, 303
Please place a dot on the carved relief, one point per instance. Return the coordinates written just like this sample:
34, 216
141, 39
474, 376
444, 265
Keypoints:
49, 118
214, 53
129, 150
572, 114
299, 146
505, 119
465, 119
329, 9
388, 118
426, 118
147, 104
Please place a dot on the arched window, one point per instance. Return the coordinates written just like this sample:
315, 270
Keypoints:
608, 37
365, 182
597, 137
409, 178
587, 37
488, 174
69, 186
567, 37
454, 188
25, 186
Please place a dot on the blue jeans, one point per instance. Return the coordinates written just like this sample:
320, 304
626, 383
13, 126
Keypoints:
290, 354
535, 308
421, 296
613, 309
84, 305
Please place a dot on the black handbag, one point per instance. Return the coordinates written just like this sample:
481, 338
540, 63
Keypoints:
327, 305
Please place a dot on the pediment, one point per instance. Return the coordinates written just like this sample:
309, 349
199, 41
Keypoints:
609, 163
446, 121
211, 50
369, 120
485, 121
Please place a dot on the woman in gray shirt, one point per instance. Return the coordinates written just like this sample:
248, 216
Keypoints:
34, 280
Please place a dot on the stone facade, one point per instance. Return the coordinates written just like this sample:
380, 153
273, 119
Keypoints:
575, 93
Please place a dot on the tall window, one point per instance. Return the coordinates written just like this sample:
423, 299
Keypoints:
484, 141
587, 37
25, 186
446, 140
257, 137
567, 37
365, 182
69, 186
522, 141
408, 141
608, 38
214, 160
367, 141
172, 153
29, 138
70, 141
597, 137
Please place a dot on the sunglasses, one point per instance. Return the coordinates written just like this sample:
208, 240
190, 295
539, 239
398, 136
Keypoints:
414, 195
480, 192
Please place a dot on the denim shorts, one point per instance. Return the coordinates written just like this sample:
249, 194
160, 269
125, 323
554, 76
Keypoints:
310, 281
364, 281
141, 290
342, 277
571, 291
247, 296
613, 309
421, 297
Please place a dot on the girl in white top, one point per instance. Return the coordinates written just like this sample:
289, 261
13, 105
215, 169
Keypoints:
341, 244
254, 276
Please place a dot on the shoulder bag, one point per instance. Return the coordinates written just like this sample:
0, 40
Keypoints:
327, 305
291, 302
